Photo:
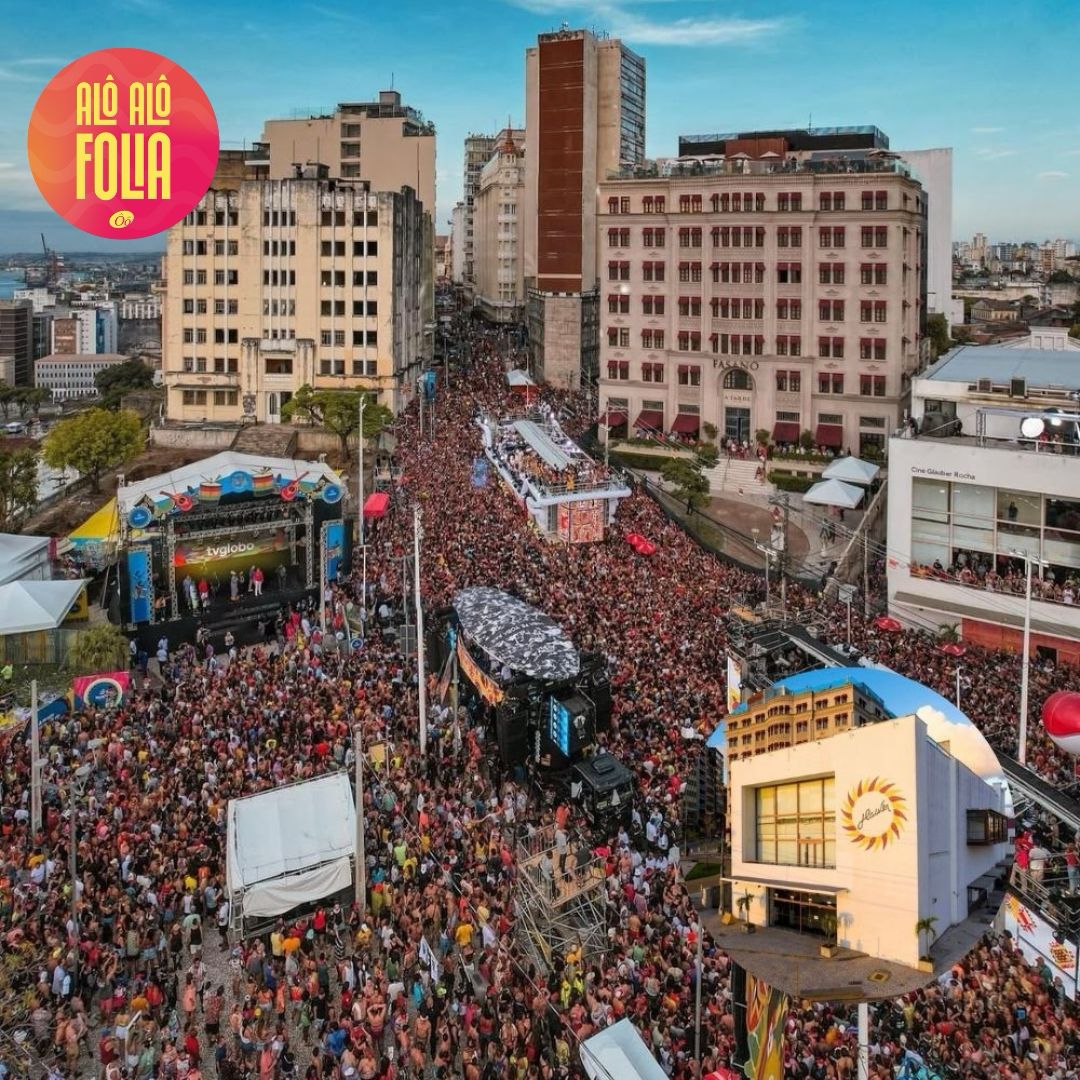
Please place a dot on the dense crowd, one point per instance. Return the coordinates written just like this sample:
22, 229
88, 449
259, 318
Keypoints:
427, 980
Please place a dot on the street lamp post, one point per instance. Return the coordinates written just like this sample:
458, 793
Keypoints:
958, 670
1025, 660
78, 779
359, 856
418, 533
360, 481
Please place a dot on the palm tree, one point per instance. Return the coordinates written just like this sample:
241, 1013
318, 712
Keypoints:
102, 647
925, 925
949, 634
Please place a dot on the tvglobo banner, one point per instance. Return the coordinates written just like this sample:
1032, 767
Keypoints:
204, 552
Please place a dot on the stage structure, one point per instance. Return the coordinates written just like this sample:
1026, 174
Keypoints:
561, 908
288, 848
185, 533
567, 495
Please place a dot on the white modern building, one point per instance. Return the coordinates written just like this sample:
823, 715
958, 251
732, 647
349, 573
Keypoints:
877, 828
140, 306
935, 169
72, 375
966, 505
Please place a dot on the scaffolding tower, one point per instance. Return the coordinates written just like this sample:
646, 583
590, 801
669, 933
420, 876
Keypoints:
559, 910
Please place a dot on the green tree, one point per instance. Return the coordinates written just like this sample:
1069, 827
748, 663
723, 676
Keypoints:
1074, 330
94, 441
18, 485
28, 399
337, 411
101, 647
937, 328
924, 930
8, 396
114, 382
686, 480
707, 455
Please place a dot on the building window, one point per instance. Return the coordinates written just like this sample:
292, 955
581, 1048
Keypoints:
652, 305
789, 309
789, 273
689, 375
831, 347
618, 238
795, 824
788, 345
831, 236
872, 349
831, 273
789, 381
830, 383
789, 236
619, 370
652, 271
986, 827
194, 397
872, 385
874, 273
831, 310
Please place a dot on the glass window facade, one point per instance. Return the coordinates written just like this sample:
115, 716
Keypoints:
795, 824
970, 533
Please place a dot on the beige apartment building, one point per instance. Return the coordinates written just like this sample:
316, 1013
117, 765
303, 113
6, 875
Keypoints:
585, 116
272, 284
775, 284
498, 258
384, 142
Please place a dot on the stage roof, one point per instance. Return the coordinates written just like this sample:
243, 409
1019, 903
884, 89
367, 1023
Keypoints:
519, 378
218, 467
539, 440
27, 606
277, 841
619, 1051
102, 526
516, 634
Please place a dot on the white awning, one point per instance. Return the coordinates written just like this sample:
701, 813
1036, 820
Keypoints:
851, 470
519, 378
27, 606
290, 845
540, 441
619, 1051
834, 493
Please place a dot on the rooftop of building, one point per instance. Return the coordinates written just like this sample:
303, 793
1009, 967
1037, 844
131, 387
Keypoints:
387, 107
866, 135
68, 358
791, 687
771, 163
1045, 368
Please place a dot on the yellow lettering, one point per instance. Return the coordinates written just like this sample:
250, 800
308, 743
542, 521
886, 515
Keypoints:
84, 110
133, 176
159, 166
105, 166
83, 139
162, 102
136, 105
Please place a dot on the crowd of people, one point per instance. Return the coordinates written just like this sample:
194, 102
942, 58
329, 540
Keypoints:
144, 975
979, 571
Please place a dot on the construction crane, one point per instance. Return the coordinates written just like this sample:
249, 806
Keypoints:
53, 264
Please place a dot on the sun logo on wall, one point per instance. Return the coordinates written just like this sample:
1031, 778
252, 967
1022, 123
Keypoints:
874, 814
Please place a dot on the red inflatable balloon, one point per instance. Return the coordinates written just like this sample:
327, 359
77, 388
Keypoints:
1061, 720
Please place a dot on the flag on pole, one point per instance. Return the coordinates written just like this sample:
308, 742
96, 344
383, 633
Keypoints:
427, 956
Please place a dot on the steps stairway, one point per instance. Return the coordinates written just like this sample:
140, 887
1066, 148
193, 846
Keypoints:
737, 477
266, 440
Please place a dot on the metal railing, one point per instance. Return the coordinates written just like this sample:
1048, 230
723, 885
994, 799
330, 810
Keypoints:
748, 167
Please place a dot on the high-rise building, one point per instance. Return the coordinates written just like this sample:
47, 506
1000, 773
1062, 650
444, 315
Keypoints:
17, 339
457, 244
478, 151
934, 170
779, 286
384, 142
499, 271
273, 284
585, 118
85, 330
979, 249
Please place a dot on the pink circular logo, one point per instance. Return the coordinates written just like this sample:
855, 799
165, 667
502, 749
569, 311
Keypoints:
123, 143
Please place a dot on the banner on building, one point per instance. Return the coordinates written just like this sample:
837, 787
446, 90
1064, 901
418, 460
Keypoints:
485, 685
140, 584
581, 522
100, 691
766, 1013
734, 684
246, 546
1038, 941
333, 545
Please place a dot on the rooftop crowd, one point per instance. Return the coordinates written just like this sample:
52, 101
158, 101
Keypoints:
427, 980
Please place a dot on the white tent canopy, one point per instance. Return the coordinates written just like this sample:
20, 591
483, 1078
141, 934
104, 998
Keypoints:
834, 493
27, 606
289, 846
619, 1051
851, 470
518, 378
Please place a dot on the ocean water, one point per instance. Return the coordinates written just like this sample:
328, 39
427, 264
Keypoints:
10, 280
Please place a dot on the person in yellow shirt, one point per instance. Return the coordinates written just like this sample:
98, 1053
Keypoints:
463, 934
277, 943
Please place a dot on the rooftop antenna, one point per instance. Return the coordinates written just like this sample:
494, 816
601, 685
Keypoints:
810, 125
391, 80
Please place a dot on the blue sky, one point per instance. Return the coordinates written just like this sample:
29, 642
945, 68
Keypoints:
995, 80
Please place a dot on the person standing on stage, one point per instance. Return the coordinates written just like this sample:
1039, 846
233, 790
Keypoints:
282, 574
257, 579
234, 587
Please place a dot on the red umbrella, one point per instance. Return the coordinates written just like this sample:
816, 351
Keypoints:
888, 623
953, 649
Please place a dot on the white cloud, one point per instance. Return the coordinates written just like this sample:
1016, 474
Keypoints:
966, 742
987, 130
1070, 153
1053, 174
631, 25
993, 155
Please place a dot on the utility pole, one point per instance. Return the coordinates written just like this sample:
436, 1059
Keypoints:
779, 543
359, 857
958, 669
360, 481
75, 790
418, 533
864, 1041
1025, 668
35, 765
